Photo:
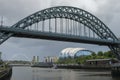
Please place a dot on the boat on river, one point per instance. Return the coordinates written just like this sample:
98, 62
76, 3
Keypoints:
43, 65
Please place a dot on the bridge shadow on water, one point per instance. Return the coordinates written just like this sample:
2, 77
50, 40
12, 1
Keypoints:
117, 78
102, 75
97, 73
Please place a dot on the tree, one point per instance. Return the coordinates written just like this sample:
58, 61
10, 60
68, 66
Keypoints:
100, 53
109, 54
93, 54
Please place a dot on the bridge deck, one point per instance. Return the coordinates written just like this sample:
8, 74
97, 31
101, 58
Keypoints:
56, 36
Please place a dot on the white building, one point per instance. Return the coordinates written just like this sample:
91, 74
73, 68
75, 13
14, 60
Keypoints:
35, 59
74, 52
51, 59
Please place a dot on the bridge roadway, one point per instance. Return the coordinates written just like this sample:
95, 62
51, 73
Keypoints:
18, 32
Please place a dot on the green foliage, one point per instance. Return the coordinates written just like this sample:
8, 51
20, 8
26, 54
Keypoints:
100, 53
109, 54
81, 59
66, 61
93, 54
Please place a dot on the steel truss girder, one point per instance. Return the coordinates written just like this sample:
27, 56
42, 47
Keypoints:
72, 13
67, 12
116, 50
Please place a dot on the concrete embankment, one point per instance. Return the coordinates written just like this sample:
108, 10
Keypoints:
68, 66
81, 66
43, 65
6, 73
115, 70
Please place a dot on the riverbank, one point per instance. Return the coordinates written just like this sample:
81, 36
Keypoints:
80, 66
115, 70
6, 73
71, 66
43, 65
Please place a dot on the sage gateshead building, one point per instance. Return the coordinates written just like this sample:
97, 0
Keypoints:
74, 52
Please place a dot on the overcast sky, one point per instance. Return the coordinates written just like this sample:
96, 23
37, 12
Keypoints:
20, 48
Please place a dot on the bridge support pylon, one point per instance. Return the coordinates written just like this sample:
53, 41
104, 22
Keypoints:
115, 50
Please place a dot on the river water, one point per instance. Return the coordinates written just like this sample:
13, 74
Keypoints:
28, 73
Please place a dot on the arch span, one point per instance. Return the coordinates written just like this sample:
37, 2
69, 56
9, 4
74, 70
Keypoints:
68, 13
72, 13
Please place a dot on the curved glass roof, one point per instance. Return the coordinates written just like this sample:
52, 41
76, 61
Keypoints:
72, 52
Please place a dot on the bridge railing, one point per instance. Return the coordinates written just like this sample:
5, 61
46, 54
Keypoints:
52, 34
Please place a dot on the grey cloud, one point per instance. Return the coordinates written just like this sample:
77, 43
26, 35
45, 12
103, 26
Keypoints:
109, 14
15, 10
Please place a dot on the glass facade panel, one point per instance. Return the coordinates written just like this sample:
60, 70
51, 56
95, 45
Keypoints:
74, 52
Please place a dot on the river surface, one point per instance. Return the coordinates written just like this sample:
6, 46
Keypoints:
28, 73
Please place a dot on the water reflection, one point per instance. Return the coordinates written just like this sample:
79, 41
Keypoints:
45, 74
28, 73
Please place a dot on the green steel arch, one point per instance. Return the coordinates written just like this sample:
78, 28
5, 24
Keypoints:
72, 13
